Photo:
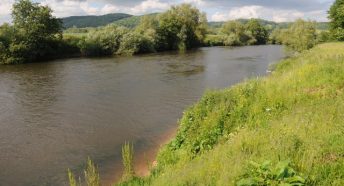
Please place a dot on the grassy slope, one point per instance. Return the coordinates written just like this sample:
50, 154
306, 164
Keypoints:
294, 114
132, 22
92, 21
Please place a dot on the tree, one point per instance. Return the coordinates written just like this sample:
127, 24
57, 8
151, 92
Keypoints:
300, 36
6, 37
36, 31
336, 15
181, 27
257, 32
235, 33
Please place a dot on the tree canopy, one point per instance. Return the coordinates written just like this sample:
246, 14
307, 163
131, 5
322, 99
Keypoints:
336, 15
181, 27
33, 36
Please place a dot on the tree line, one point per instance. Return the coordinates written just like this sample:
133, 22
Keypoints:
37, 35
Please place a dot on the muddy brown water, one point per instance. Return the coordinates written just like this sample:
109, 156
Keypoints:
54, 115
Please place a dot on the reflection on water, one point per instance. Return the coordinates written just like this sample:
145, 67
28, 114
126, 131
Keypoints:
53, 115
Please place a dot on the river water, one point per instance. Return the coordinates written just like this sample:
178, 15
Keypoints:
54, 115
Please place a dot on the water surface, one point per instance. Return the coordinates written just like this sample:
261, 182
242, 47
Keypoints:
55, 114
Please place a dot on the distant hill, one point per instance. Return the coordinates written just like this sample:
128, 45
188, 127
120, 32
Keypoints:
92, 21
132, 21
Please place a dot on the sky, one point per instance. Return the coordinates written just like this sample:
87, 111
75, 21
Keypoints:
217, 10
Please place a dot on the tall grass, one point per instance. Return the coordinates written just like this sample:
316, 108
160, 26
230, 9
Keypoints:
295, 115
127, 158
71, 178
91, 174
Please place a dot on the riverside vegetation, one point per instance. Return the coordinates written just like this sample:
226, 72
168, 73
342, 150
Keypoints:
36, 35
284, 129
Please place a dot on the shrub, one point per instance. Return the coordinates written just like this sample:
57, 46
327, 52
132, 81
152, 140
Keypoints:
105, 41
300, 36
133, 43
265, 174
214, 40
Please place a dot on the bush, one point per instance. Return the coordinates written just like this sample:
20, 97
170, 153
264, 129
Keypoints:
300, 36
214, 40
265, 174
133, 43
323, 36
105, 41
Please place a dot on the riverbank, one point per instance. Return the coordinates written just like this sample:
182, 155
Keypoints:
284, 128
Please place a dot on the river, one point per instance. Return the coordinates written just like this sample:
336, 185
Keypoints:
54, 115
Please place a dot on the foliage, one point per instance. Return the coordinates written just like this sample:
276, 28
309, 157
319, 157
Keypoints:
127, 158
133, 43
324, 36
235, 34
181, 27
35, 33
214, 40
300, 36
264, 174
259, 120
336, 15
92, 21
258, 34
105, 41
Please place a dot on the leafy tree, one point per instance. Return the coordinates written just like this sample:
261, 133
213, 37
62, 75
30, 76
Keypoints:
6, 37
148, 27
235, 32
336, 15
257, 32
181, 27
300, 36
35, 33
34, 21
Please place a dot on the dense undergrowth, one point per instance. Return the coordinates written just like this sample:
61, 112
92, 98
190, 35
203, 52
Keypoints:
287, 128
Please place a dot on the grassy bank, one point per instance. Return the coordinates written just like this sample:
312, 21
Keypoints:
284, 128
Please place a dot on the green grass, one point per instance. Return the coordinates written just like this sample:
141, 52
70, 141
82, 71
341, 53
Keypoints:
295, 115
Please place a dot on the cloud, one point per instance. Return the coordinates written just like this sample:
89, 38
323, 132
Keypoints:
5, 8
277, 15
147, 6
301, 5
217, 10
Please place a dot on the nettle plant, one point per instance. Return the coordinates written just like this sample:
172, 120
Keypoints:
266, 174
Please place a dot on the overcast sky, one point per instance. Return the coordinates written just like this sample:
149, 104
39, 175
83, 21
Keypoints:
217, 10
